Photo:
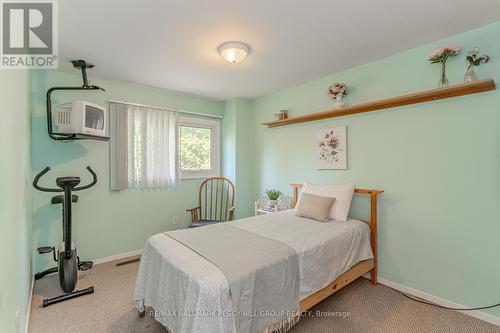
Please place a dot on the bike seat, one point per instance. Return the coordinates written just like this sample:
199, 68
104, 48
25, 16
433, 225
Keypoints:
59, 199
64, 181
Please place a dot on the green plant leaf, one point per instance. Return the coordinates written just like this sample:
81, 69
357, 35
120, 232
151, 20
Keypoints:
273, 194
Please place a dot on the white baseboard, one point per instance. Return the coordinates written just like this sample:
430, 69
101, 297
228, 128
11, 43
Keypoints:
438, 300
28, 311
117, 257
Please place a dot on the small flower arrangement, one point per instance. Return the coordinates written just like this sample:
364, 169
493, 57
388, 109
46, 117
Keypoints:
439, 56
474, 60
336, 89
442, 53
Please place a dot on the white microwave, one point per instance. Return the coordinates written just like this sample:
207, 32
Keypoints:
81, 117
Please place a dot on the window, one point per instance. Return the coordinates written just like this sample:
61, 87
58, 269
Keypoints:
153, 147
198, 144
143, 147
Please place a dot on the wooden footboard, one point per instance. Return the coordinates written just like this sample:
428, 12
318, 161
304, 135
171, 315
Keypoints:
357, 270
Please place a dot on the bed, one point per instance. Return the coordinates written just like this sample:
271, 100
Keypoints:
186, 290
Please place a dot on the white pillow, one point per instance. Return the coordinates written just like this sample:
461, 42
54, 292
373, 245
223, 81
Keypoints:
342, 194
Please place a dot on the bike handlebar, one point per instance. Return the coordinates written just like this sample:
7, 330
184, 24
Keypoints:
94, 181
45, 189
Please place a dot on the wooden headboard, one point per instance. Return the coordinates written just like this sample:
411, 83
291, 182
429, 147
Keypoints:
373, 217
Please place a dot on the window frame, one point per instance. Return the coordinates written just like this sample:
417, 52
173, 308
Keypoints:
214, 126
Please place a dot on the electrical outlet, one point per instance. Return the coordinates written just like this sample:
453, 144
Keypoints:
174, 220
18, 324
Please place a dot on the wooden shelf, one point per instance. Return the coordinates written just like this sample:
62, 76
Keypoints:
414, 98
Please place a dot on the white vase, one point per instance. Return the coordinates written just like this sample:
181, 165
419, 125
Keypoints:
470, 74
339, 103
272, 203
443, 81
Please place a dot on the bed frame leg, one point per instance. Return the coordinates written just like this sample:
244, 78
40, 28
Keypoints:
373, 234
374, 276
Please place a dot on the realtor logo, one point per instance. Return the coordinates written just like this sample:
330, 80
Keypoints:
29, 34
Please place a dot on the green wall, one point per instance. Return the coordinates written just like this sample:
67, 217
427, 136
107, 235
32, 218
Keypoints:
238, 152
105, 222
244, 158
15, 198
438, 163
228, 141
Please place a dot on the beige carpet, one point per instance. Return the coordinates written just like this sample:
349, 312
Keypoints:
359, 307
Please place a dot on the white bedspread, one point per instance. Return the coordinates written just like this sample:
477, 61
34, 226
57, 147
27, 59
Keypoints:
190, 295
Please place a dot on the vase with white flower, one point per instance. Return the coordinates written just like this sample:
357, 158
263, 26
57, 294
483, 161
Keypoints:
474, 60
337, 91
441, 55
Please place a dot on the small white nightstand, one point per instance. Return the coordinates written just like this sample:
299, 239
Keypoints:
284, 203
260, 211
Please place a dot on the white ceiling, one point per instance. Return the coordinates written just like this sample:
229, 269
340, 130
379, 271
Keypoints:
173, 44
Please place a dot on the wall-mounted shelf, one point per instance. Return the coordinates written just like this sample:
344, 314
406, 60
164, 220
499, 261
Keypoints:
414, 98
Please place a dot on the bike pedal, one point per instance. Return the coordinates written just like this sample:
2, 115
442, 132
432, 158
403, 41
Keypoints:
45, 249
85, 265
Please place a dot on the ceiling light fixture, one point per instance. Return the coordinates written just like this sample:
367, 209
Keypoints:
234, 52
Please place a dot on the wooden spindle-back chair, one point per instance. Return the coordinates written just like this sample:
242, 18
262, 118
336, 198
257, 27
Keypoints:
215, 202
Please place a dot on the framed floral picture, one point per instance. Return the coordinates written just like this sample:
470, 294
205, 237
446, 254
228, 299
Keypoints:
331, 147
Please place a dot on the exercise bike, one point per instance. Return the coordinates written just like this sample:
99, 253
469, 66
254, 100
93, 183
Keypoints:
68, 262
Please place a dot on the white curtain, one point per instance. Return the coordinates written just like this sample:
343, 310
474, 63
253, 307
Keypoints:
143, 147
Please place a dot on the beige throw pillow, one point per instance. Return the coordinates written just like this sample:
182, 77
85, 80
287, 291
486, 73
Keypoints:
314, 207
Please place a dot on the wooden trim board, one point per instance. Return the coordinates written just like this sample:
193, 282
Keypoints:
391, 102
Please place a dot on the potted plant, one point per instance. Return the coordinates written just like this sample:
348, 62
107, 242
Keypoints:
272, 196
